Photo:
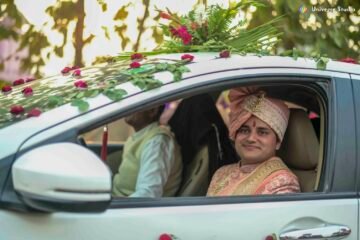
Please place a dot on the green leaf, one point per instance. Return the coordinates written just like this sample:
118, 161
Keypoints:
171, 67
80, 104
321, 63
294, 5
161, 66
54, 101
177, 76
92, 93
183, 69
115, 94
3, 111
295, 54
73, 95
142, 69
80, 95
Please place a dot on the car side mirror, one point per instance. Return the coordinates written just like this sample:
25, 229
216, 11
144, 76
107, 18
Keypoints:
62, 177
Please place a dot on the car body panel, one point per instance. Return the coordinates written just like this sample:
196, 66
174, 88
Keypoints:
211, 219
230, 221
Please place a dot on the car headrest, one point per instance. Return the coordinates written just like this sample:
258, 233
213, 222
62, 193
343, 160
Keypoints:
300, 146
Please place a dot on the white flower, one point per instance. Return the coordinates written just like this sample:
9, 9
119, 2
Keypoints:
200, 13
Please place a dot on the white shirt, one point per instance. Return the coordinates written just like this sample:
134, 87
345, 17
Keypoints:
156, 163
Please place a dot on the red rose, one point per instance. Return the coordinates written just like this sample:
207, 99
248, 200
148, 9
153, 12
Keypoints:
35, 112
65, 70
16, 110
184, 35
165, 236
6, 89
29, 80
187, 57
174, 32
224, 54
27, 91
80, 84
165, 15
269, 237
137, 56
348, 60
135, 65
18, 82
77, 73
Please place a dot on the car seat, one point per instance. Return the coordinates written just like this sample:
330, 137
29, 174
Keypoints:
205, 145
300, 149
196, 174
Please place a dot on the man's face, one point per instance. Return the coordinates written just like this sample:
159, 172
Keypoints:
255, 141
139, 120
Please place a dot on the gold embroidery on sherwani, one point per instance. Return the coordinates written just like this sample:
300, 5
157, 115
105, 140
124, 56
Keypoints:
252, 182
222, 182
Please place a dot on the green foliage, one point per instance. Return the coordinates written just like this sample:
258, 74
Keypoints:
56, 91
115, 94
145, 81
313, 31
321, 61
82, 105
54, 101
214, 29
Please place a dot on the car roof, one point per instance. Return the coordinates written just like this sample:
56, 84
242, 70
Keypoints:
203, 63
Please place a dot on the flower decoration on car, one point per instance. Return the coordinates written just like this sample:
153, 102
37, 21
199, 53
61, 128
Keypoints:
187, 57
135, 65
348, 60
35, 112
224, 54
271, 237
137, 57
6, 89
205, 29
27, 91
33, 98
80, 84
77, 73
16, 110
166, 236
215, 29
18, 82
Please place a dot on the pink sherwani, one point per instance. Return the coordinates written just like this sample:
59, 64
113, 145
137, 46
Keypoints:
269, 177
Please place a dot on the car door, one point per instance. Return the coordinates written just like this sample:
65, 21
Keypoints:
330, 212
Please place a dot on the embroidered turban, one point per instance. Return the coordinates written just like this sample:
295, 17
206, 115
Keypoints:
247, 101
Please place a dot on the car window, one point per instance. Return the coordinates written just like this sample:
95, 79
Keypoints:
203, 154
118, 132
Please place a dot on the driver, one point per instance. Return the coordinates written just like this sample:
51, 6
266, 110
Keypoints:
151, 163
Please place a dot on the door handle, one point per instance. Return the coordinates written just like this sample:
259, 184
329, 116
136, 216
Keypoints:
332, 232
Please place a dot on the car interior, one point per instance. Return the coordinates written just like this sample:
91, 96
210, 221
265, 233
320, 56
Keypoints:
206, 147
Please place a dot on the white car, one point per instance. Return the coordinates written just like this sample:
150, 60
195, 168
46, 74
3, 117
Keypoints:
55, 186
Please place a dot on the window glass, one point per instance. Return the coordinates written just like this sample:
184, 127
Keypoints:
194, 156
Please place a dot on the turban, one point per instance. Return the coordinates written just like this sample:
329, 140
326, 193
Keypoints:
247, 101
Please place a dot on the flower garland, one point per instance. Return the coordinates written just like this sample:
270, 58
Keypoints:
28, 98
